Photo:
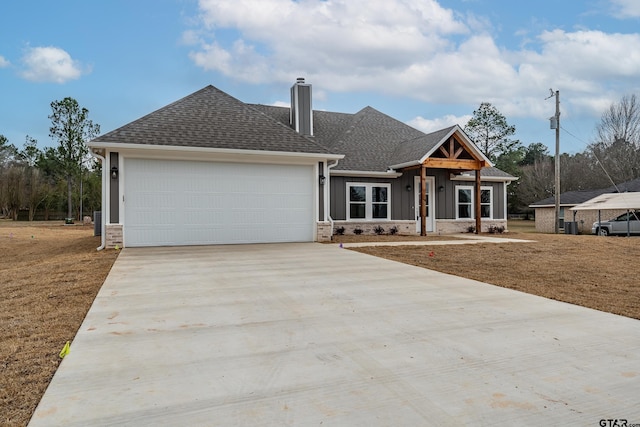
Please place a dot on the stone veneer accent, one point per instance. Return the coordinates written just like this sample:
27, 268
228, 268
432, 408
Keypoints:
449, 226
443, 226
323, 232
404, 227
114, 236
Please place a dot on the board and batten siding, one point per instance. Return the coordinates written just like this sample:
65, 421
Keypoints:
402, 201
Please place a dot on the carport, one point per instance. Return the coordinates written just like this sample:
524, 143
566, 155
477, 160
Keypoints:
611, 201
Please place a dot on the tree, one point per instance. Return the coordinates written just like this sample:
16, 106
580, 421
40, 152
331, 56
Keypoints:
620, 122
71, 127
617, 148
489, 130
535, 151
7, 152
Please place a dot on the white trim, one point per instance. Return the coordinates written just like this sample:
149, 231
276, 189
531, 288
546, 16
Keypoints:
470, 177
219, 154
505, 209
368, 202
457, 201
103, 231
370, 174
122, 175
490, 189
431, 223
473, 202
327, 201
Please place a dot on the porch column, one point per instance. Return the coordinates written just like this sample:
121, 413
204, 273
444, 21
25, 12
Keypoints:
477, 203
423, 198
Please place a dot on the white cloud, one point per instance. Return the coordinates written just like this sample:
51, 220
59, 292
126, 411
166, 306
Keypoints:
4, 62
432, 125
50, 64
411, 48
626, 8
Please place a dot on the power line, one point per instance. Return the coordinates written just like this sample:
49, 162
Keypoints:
597, 159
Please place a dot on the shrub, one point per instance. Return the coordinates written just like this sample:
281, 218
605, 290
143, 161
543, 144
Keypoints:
357, 231
378, 230
393, 230
471, 229
339, 231
496, 229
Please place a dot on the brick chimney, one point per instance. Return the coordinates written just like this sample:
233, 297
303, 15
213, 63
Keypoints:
301, 113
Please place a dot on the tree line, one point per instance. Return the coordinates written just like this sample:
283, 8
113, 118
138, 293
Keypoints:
613, 158
54, 178
67, 176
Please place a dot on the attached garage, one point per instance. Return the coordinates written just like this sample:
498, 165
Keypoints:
183, 202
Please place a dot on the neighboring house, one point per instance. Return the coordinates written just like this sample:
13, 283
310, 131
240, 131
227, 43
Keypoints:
545, 209
210, 169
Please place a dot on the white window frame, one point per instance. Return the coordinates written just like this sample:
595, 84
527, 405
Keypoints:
457, 207
368, 200
473, 200
490, 189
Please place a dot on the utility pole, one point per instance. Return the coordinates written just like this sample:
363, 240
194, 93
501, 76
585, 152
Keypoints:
555, 124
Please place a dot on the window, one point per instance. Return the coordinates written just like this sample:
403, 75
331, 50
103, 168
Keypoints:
486, 202
465, 202
368, 201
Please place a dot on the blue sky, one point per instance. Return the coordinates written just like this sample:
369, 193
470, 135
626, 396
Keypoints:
425, 62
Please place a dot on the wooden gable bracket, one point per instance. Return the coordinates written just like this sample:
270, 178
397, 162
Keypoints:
452, 161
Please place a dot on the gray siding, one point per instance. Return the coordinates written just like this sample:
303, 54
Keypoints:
402, 201
114, 206
498, 198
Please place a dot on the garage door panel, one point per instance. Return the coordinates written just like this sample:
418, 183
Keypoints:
191, 203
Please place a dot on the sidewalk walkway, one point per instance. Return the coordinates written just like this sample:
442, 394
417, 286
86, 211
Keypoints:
455, 240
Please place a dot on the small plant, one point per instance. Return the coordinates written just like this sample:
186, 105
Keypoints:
471, 229
496, 229
357, 231
339, 231
393, 230
378, 230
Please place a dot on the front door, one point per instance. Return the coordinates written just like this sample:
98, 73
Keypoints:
429, 202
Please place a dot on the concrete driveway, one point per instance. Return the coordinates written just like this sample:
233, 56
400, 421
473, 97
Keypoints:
311, 334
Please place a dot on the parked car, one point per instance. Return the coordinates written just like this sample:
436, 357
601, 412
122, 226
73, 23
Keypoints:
618, 225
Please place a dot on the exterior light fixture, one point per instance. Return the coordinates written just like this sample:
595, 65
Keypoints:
322, 179
408, 187
441, 188
114, 172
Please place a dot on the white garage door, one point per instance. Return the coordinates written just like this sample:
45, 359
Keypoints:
170, 203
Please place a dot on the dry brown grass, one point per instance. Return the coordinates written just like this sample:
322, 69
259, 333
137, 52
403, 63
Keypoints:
49, 276
591, 271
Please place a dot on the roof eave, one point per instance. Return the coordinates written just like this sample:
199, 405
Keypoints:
370, 174
149, 148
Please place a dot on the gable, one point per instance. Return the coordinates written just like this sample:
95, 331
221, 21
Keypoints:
210, 118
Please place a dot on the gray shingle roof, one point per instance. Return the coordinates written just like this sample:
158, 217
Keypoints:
210, 118
213, 119
572, 198
371, 140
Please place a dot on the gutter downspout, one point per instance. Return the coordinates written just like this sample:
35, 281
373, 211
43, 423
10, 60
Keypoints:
328, 198
103, 237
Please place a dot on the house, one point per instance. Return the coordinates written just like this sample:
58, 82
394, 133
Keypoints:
210, 169
545, 209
